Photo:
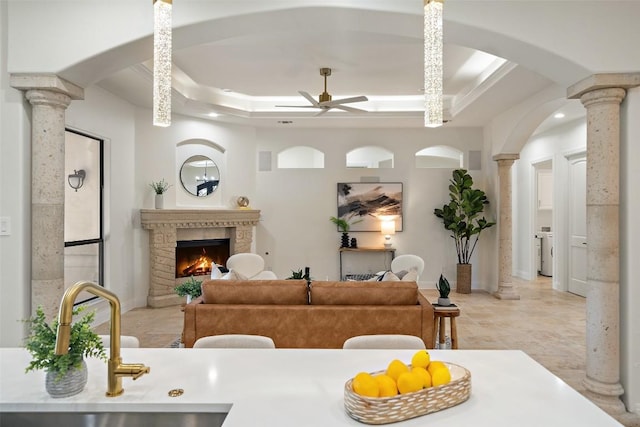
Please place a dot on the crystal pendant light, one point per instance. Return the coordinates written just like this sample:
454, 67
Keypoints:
433, 63
162, 62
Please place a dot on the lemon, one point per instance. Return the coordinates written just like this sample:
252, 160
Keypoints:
365, 385
435, 365
395, 368
424, 374
440, 376
386, 385
409, 382
421, 359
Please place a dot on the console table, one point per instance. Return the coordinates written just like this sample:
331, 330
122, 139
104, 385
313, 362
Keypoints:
385, 255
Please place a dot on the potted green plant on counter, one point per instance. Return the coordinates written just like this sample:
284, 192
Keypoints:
160, 187
192, 289
461, 216
66, 373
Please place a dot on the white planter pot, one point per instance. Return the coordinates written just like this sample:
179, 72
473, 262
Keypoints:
159, 201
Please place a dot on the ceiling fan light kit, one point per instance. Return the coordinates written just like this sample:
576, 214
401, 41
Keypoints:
325, 102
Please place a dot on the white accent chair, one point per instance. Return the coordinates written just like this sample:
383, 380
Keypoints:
234, 341
250, 266
126, 341
407, 262
390, 341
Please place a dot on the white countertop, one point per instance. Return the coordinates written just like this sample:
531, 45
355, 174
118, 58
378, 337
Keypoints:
290, 387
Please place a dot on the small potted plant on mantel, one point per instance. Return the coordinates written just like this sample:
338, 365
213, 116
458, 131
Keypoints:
66, 373
192, 289
160, 187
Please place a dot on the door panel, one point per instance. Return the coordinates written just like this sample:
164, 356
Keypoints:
578, 225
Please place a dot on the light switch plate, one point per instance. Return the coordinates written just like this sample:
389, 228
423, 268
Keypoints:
5, 226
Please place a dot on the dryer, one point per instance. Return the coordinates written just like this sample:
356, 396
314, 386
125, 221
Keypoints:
546, 250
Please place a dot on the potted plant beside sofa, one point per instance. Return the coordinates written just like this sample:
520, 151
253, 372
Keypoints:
461, 216
192, 289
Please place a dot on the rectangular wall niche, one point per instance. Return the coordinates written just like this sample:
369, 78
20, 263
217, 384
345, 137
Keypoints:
194, 257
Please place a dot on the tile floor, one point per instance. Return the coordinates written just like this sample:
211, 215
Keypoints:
546, 324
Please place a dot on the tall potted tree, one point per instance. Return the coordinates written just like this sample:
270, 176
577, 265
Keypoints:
461, 216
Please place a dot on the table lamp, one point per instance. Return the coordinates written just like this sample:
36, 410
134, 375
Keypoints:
387, 228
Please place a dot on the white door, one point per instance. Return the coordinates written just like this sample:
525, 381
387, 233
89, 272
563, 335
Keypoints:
578, 225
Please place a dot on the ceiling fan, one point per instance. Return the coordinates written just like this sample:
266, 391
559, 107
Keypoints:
325, 103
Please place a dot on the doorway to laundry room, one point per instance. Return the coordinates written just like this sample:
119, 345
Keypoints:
543, 214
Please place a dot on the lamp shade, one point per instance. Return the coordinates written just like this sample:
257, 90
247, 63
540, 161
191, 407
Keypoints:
388, 227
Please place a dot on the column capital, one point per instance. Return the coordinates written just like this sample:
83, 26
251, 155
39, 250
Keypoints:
506, 156
603, 81
46, 82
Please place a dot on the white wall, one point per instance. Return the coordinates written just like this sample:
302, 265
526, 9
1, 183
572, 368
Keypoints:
296, 204
15, 202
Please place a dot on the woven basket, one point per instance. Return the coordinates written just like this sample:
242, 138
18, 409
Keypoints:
384, 410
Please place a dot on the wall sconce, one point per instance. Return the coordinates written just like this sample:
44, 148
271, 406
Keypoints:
387, 228
76, 179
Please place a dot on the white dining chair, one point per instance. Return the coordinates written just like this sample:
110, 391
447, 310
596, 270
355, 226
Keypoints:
126, 341
384, 341
234, 341
407, 262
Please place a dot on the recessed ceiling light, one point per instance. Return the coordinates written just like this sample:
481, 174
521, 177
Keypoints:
227, 90
213, 114
558, 116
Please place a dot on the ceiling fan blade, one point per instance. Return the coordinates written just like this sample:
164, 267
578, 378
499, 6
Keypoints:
299, 106
349, 109
344, 101
309, 98
324, 110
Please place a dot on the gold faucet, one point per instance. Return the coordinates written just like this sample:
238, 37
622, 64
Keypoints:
117, 369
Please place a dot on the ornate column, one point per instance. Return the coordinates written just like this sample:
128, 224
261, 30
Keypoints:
505, 231
602, 94
49, 97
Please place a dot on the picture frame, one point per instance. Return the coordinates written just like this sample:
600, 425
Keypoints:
364, 204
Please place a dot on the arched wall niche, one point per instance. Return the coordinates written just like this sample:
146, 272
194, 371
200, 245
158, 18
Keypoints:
300, 157
371, 157
440, 156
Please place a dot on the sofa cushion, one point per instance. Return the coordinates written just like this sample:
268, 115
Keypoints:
364, 293
283, 292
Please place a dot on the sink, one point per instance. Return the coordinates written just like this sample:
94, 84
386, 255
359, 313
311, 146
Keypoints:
119, 419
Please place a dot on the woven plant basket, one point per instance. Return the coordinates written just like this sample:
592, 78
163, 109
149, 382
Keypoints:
385, 410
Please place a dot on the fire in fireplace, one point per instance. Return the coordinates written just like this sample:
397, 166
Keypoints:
194, 257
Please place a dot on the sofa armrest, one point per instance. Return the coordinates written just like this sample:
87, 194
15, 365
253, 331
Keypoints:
427, 320
189, 326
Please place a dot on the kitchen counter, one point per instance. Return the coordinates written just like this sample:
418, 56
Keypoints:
293, 387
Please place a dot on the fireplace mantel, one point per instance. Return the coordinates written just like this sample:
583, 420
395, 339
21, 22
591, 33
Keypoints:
167, 226
198, 218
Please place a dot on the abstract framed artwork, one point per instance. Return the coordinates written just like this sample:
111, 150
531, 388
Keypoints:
367, 202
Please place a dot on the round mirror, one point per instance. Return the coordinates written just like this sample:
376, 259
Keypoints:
199, 175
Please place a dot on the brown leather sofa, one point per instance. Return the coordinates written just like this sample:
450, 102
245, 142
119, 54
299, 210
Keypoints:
295, 316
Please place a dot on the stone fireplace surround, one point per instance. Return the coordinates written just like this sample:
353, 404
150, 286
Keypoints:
167, 226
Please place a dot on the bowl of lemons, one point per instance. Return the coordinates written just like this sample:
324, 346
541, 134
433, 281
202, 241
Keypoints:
404, 391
